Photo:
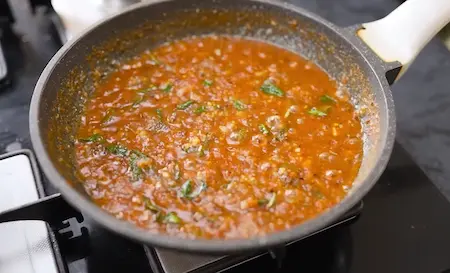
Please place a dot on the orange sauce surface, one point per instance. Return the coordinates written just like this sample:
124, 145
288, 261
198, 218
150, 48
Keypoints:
218, 137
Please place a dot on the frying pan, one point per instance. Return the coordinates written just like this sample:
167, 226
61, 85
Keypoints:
366, 58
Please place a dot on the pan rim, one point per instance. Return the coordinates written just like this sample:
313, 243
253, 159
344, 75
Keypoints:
217, 246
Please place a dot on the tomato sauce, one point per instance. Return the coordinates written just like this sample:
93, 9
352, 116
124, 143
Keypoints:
218, 137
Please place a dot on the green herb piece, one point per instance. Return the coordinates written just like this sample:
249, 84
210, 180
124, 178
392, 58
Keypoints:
166, 87
262, 202
281, 135
186, 189
93, 138
242, 133
316, 112
157, 126
155, 59
172, 218
136, 170
117, 149
271, 89
289, 111
159, 114
327, 99
207, 83
199, 190
201, 151
263, 129
268, 203
138, 100
185, 105
150, 205
139, 154
318, 194
225, 185
272, 200
200, 109
177, 172
204, 146
147, 90
159, 217
239, 105
187, 148
108, 116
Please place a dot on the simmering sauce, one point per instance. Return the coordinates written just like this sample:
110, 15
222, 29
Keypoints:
218, 137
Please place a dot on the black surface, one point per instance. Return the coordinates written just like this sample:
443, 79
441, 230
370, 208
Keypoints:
406, 221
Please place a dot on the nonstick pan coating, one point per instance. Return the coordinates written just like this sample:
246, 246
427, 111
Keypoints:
67, 81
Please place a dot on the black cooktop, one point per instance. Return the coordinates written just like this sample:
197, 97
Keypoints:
403, 226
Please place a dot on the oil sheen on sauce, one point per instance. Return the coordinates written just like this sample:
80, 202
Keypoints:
218, 137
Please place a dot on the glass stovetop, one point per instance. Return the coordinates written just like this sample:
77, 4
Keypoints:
403, 227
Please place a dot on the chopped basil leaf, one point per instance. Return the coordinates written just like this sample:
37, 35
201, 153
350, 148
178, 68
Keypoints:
138, 100
272, 200
201, 151
185, 105
117, 149
200, 109
177, 172
146, 90
157, 126
108, 116
136, 170
172, 218
327, 99
159, 217
263, 129
150, 205
159, 114
262, 202
271, 89
166, 87
281, 135
290, 110
316, 112
199, 190
189, 149
139, 154
204, 146
207, 82
242, 133
186, 189
268, 203
93, 138
239, 105
318, 194
155, 59
225, 185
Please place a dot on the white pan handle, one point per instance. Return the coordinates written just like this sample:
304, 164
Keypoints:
403, 33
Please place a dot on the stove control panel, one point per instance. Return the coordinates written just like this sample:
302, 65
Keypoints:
27, 246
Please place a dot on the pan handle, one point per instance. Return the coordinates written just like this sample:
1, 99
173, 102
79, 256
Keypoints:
52, 209
403, 33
